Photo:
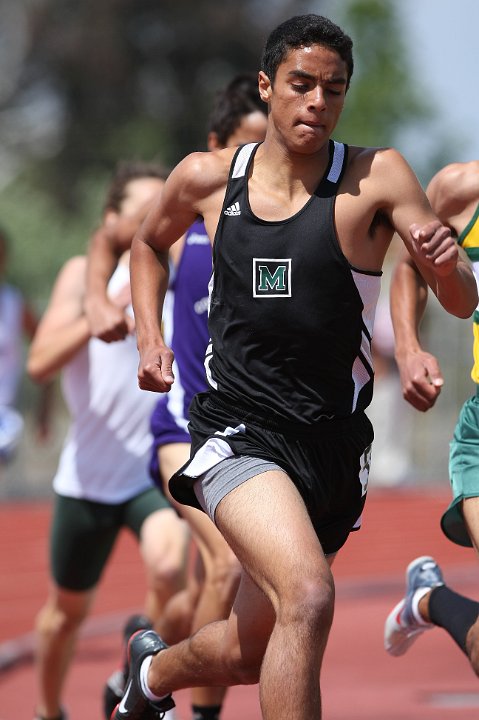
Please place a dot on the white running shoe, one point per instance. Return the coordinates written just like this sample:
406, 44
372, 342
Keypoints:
402, 626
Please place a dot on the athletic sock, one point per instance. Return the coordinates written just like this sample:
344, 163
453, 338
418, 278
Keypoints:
206, 712
417, 597
455, 613
145, 666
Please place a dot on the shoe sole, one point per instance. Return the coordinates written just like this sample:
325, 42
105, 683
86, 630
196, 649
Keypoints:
396, 642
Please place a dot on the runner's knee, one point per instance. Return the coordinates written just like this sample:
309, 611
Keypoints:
166, 572
164, 556
224, 573
308, 602
55, 620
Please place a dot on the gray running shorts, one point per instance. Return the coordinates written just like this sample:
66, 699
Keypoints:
213, 485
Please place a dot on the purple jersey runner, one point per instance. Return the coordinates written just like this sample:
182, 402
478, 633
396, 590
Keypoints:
186, 332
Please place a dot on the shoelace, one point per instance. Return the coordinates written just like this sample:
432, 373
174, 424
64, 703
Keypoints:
428, 574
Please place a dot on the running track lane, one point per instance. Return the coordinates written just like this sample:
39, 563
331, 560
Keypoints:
360, 682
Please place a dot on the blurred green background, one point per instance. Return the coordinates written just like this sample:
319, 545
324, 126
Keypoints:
88, 83
85, 84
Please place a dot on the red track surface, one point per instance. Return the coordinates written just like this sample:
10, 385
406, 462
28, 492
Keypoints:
360, 682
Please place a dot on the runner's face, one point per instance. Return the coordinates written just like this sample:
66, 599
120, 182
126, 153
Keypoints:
252, 128
307, 98
139, 193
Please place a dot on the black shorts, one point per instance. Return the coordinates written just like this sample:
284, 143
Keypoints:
329, 464
83, 533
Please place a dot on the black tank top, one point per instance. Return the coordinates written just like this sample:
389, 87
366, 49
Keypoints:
290, 320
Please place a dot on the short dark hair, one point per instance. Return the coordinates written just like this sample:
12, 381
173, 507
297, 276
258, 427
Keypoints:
237, 100
302, 31
125, 172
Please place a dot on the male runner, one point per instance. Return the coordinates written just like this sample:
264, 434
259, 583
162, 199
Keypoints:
300, 226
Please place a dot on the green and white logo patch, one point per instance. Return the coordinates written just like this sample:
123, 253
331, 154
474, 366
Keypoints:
271, 277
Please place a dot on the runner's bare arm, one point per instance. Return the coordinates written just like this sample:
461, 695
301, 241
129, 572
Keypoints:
453, 193
420, 374
186, 195
64, 328
450, 193
429, 242
107, 321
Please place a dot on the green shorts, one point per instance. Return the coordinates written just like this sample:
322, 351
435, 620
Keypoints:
83, 533
463, 470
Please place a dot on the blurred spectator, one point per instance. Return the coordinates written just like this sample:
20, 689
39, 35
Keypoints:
17, 321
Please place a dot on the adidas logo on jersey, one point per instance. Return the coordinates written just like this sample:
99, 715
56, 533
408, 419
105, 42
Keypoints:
233, 209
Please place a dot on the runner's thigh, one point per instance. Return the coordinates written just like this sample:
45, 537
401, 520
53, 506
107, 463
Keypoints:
266, 523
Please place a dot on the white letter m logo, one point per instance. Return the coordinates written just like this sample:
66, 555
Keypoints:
271, 277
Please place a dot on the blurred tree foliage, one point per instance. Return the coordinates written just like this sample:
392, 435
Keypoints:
94, 81
382, 97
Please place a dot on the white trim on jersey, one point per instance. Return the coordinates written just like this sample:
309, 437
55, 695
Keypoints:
208, 359
245, 154
176, 400
242, 160
337, 164
368, 287
209, 349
